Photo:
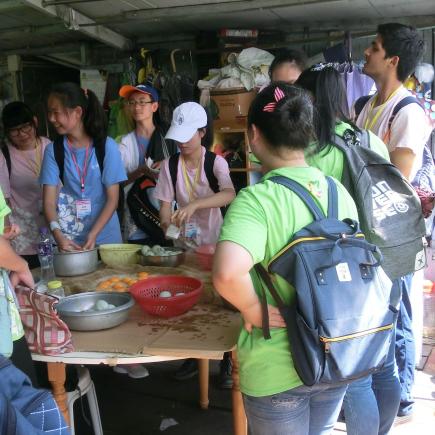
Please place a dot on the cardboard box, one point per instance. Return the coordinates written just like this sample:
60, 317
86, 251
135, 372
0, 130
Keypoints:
231, 104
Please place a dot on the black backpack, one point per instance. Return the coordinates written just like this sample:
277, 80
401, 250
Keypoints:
209, 160
389, 209
143, 212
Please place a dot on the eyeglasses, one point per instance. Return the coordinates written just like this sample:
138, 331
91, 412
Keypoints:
25, 128
139, 102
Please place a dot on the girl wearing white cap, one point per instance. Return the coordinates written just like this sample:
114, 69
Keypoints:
198, 203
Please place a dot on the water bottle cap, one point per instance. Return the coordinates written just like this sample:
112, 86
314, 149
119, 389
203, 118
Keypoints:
54, 284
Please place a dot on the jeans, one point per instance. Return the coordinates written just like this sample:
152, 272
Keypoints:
299, 411
405, 347
372, 403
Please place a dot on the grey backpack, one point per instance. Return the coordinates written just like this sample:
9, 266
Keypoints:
389, 209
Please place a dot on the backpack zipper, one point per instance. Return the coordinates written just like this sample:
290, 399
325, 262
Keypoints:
327, 341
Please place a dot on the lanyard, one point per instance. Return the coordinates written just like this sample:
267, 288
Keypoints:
369, 124
81, 174
35, 166
189, 187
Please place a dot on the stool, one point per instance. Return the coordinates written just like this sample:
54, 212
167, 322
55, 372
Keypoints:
85, 386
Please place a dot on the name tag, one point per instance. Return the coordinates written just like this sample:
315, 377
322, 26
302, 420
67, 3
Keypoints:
83, 208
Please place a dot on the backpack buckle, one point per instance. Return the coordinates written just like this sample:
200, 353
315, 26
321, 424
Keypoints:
366, 271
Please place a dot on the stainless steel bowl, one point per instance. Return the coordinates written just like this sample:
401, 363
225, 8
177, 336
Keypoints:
75, 263
163, 261
70, 310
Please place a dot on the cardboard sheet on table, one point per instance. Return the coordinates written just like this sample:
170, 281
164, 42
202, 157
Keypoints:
205, 331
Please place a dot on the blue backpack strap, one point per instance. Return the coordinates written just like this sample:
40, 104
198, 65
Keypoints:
303, 194
359, 104
332, 199
400, 105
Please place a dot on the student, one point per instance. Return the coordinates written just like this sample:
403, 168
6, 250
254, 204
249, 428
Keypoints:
20, 165
83, 214
364, 414
143, 149
391, 58
287, 66
198, 210
198, 213
259, 223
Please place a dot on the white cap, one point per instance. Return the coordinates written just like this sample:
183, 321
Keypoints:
186, 120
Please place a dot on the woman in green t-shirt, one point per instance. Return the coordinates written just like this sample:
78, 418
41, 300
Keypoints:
371, 403
259, 223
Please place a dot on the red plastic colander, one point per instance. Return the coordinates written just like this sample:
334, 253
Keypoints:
146, 293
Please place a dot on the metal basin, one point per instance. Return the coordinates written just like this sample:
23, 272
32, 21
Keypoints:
163, 261
75, 263
70, 310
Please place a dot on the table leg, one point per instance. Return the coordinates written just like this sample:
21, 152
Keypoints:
239, 417
57, 377
203, 365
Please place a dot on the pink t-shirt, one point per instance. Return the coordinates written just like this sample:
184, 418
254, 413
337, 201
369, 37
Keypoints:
208, 220
25, 194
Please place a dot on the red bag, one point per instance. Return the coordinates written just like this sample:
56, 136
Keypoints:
45, 332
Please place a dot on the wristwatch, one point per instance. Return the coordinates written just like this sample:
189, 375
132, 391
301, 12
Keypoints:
54, 225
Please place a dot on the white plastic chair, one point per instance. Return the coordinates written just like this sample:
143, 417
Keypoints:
85, 387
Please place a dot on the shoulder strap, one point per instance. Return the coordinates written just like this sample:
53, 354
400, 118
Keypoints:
400, 105
59, 155
173, 167
306, 197
7, 156
100, 153
360, 103
209, 160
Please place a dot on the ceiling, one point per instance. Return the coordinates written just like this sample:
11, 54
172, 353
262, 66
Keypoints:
59, 26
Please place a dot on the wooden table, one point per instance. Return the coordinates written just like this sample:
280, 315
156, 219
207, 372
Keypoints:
205, 333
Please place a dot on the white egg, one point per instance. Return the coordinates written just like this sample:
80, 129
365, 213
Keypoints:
101, 305
179, 294
165, 294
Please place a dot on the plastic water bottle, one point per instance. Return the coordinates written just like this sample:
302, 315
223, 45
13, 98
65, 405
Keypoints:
45, 255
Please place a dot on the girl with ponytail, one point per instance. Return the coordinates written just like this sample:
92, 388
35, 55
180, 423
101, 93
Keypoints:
88, 164
259, 223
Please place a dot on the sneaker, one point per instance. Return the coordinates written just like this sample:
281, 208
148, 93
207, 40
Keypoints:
187, 370
134, 371
225, 380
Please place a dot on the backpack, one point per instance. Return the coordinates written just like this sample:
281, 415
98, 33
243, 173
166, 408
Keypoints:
100, 153
424, 180
341, 322
7, 156
209, 160
389, 209
143, 212
25, 410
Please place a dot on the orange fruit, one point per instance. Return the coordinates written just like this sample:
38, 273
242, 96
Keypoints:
115, 279
143, 275
119, 286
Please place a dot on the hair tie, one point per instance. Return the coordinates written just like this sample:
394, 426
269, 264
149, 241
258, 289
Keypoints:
278, 95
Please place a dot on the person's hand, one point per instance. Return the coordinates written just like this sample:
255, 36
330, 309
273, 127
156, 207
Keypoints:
183, 214
156, 166
90, 242
11, 232
23, 277
253, 317
64, 244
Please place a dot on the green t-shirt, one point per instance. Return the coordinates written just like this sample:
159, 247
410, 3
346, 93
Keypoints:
4, 211
330, 159
262, 219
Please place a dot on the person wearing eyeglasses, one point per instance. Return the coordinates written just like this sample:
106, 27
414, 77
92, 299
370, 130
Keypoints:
143, 149
20, 165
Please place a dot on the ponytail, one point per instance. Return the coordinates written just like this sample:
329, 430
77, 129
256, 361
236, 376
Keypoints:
94, 119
